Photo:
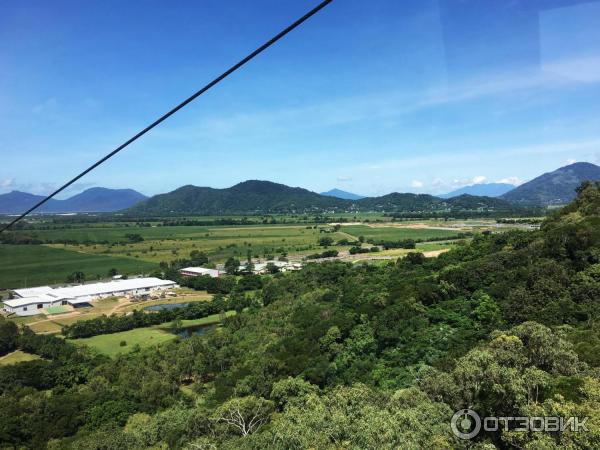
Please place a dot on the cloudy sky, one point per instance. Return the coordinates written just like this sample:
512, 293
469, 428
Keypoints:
370, 97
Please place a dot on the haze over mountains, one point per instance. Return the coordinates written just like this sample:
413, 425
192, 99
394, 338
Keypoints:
484, 189
96, 199
265, 197
338, 193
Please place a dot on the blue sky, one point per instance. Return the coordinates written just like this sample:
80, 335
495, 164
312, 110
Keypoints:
370, 97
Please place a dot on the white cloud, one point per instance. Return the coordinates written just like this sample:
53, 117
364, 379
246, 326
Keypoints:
571, 161
7, 183
343, 178
416, 184
479, 179
511, 180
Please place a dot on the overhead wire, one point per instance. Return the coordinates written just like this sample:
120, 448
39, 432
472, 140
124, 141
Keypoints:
181, 105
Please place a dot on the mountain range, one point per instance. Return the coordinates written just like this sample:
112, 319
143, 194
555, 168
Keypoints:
484, 189
265, 197
96, 199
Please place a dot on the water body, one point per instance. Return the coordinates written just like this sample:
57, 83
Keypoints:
165, 306
197, 330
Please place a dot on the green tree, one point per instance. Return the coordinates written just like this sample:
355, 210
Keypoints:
325, 241
232, 266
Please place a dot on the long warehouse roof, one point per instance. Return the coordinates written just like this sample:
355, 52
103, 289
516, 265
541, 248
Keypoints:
94, 288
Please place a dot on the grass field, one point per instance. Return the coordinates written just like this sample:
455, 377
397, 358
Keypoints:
109, 344
106, 246
34, 265
396, 233
219, 243
56, 310
17, 357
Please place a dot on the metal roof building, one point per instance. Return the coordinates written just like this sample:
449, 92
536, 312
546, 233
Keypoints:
31, 300
198, 271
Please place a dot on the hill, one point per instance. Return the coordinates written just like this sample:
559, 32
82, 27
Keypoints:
554, 188
265, 197
91, 200
100, 200
338, 193
17, 202
487, 190
248, 197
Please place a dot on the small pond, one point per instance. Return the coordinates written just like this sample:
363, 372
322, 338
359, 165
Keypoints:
194, 330
165, 306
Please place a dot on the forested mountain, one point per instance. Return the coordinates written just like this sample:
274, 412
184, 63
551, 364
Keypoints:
484, 189
260, 197
344, 356
554, 188
338, 193
91, 200
245, 198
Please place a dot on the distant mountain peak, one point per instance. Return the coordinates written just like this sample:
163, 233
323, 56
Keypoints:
483, 189
556, 187
338, 193
96, 199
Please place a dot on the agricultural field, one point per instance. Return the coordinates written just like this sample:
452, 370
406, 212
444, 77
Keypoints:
17, 357
34, 265
94, 249
393, 233
219, 243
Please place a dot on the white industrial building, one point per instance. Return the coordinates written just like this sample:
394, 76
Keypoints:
283, 266
30, 301
199, 271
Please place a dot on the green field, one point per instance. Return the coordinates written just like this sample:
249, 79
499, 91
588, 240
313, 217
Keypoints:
96, 249
109, 344
34, 265
219, 243
396, 234
17, 357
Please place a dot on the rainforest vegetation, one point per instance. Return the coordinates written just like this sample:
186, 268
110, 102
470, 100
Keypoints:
343, 356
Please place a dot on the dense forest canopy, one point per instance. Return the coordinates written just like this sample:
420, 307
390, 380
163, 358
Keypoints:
347, 356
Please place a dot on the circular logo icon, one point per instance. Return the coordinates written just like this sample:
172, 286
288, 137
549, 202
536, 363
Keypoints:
466, 424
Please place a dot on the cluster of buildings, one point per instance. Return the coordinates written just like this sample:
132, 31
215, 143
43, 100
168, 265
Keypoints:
259, 268
30, 301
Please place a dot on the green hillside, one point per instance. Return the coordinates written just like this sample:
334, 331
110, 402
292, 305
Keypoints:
554, 188
265, 197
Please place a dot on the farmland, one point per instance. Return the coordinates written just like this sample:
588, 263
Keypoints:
389, 233
17, 357
133, 248
219, 243
34, 265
